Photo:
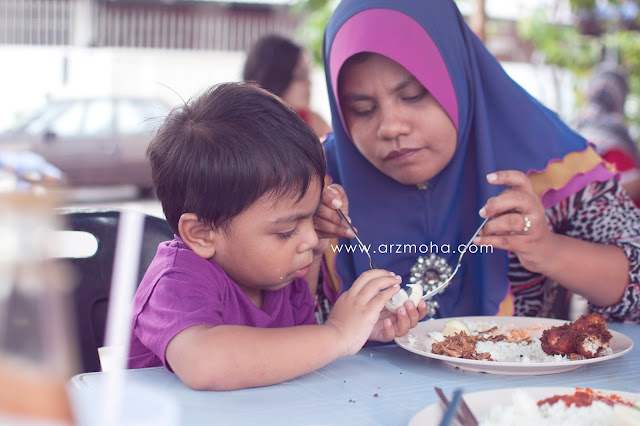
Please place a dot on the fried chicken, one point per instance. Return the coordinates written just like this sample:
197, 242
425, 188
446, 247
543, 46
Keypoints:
588, 336
557, 340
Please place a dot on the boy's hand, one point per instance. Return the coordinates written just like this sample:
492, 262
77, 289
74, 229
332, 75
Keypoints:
390, 325
356, 311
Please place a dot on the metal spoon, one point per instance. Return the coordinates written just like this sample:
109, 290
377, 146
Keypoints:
372, 265
446, 282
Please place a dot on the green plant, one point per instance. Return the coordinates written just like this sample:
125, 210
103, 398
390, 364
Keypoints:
587, 4
316, 13
582, 4
563, 46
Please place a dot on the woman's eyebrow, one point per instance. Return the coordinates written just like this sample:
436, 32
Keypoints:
354, 97
404, 83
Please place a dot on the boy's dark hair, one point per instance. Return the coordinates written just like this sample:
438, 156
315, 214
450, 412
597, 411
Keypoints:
271, 62
218, 153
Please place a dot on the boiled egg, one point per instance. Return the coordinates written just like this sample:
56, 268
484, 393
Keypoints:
402, 296
455, 326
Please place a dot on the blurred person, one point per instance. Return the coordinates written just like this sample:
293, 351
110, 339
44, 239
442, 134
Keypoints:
613, 141
232, 284
283, 67
602, 122
607, 90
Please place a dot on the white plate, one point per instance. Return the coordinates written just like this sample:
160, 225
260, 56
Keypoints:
481, 403
418, 341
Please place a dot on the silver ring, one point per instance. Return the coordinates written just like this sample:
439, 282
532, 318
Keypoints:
527, 224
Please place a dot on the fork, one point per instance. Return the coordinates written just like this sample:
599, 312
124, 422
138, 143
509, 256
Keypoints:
446, 282
372, 265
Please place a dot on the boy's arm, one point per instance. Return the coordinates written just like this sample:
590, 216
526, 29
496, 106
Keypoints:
227, 357
231, 357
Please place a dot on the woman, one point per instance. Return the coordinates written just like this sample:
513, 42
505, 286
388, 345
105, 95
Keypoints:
430, 137
282, 67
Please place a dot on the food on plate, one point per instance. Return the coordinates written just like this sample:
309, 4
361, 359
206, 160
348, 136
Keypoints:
584, 407
455, 326
398, 299
587, 336
460, 345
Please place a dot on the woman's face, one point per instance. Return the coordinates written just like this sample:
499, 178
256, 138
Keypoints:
394, 121
298, 93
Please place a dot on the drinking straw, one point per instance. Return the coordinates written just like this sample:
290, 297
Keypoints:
123, 285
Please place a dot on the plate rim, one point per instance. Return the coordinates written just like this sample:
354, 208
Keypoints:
486, 366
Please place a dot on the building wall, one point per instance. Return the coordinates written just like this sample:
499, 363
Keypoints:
172, 25
31, 74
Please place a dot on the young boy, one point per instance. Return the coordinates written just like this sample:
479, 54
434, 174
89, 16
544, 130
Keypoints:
224, 305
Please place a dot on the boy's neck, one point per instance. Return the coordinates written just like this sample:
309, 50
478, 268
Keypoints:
255, 295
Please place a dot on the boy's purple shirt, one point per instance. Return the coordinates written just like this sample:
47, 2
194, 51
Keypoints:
181, 289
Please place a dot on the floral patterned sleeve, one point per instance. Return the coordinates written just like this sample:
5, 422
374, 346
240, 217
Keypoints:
603, 213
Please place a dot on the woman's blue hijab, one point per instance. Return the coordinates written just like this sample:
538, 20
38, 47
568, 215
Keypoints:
500, 126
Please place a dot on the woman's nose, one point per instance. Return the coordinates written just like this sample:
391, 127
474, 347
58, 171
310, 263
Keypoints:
392, 124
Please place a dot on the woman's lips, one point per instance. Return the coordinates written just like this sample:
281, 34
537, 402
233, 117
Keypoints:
401, 154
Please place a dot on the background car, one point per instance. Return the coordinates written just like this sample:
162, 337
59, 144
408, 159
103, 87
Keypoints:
93, 141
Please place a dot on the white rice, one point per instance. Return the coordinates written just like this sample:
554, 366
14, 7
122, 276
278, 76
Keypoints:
504, 351
524, 411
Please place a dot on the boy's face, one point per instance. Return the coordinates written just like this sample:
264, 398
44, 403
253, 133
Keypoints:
270, 244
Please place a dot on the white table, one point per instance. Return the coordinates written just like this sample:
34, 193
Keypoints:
384, 385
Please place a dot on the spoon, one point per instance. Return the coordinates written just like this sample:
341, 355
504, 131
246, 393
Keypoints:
372, 265
414, 292
446, 282
405, 292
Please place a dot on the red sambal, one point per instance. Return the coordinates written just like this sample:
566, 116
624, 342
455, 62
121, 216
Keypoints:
583, 397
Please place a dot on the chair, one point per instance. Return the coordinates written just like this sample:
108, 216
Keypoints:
91, 294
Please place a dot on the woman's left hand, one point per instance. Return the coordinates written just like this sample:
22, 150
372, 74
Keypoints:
518, 221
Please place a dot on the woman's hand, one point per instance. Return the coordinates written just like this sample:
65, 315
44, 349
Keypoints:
326, 220
518, 221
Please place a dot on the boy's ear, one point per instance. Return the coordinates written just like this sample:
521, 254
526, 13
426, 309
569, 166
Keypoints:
197, 235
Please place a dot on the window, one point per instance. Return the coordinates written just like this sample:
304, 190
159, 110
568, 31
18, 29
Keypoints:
99, 119
138, 116
68, 124
40, 121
